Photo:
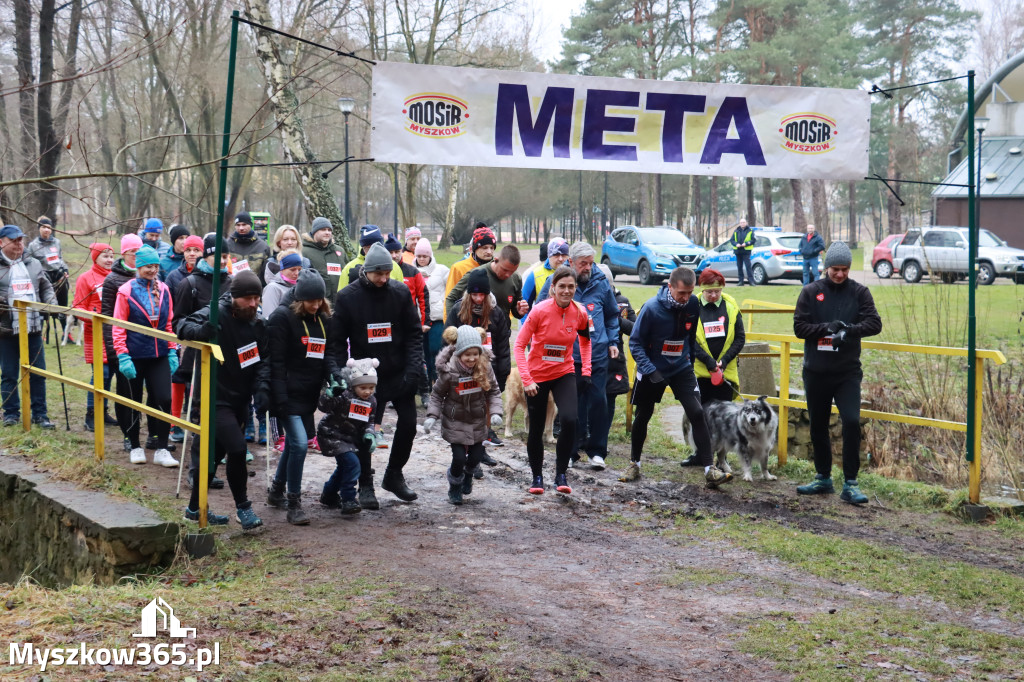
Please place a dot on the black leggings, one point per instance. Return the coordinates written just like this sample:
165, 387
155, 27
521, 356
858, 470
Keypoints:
230, 442
155, 374
684, 387
465, 458
401, 444
563, 389
821, 388
726, 390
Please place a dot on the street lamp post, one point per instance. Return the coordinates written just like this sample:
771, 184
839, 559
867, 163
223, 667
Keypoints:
347, 104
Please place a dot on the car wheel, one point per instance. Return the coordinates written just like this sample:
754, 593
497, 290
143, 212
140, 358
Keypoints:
986, 274
607, 261
883, 269
643, 271
760, 274
911, 272
948, 277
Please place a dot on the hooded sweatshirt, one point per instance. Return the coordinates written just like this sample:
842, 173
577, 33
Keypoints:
88, 296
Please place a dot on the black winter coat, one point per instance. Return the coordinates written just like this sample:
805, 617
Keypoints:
823, 301
338, 433
296, 377
191, 295
236, 385
119, 274
618, 371
380, 322
500, 331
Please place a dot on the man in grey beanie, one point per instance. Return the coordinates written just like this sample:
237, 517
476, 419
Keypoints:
832, 315
324, 255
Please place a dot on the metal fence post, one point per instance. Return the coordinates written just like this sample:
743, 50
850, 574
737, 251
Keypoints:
974, 435
783, 402
205, 410
98, 401
26, 360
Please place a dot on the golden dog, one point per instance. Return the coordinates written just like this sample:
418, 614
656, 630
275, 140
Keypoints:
515, 398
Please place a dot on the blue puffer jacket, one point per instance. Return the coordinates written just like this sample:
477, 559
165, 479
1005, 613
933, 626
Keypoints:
135, 304
169, 262
598, 298
664, 326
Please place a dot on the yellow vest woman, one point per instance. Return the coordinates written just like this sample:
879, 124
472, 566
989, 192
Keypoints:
720, 338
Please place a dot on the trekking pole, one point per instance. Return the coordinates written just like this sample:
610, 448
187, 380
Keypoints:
271, 428
63, 392
184, 443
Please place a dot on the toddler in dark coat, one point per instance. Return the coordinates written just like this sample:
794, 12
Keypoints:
349, 407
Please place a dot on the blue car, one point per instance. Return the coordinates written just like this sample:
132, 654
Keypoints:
651, 253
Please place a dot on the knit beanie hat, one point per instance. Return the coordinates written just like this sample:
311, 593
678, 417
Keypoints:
392, 244
482, 236
377, 259
243, 217
177, 231
477, 282
310, 286
193, 241
360, 372
320, 223
153, 225
245, 283
838, 254
147, 255
412, 232
45, 221
423, 248
468, 337
209, 244
370, 234
558, 246
96, 248
290, 261
129, 242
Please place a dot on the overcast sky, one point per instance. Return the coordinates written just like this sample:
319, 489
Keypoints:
552, 19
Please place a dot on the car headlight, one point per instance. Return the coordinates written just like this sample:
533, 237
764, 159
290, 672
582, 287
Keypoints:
658, 254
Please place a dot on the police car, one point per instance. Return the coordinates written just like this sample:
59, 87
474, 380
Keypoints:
776, 255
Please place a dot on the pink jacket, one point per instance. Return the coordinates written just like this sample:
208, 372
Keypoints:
551, 332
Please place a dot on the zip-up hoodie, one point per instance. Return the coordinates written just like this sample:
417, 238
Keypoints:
597, 298
145, 302
88, 288
823, 301
665, 335
551, 332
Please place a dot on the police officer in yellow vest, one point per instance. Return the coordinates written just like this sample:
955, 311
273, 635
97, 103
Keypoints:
742, 241
720, 338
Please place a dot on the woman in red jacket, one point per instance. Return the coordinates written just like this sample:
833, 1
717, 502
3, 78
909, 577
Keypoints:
87, 297
552, 328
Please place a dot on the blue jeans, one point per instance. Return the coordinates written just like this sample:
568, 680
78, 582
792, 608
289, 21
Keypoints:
432, 343
593, 422
10, 375
346, 474
810, 269
289, 466
106, 384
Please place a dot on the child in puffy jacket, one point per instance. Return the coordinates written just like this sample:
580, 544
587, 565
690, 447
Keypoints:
465, 392
344, 431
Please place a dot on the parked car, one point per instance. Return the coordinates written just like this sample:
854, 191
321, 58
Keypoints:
651, 253
881, 257
942, 251
776, 255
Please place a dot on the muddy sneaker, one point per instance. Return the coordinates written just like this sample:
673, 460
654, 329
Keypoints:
211, 518
279, 445
821, 485
632, 473
597, 463
562, 484
247, 517
275, 494
137, 456
492, 439
177, 434
852, 494
351, 507
537, 488
691, 461
329, 500
296, 515
716, 477
487, 459
367, 498
164, 458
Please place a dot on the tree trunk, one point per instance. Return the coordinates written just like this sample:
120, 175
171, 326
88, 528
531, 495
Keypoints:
819, 210
659, 208
751, 208
700, 236
852, 235
713, 217
26, 106
766, 201
316, 193
799, 219
449, 218
683, 205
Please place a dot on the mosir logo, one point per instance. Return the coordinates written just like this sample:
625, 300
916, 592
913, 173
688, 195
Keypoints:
435, 115
809, 133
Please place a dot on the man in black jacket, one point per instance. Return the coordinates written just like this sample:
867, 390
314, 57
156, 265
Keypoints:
243, 377
248, 250
375, 318
832, 315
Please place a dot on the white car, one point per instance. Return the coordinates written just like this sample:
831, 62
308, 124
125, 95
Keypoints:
776, 255
942, 251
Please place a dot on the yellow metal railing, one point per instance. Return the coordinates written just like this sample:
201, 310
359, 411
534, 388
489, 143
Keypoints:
206, 351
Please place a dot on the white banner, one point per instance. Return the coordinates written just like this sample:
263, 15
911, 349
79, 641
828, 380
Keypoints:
450, 116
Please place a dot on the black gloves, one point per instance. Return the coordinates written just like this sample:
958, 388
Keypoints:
836, 325
261, 401
583, 383
656, 378
839, 339
207, 332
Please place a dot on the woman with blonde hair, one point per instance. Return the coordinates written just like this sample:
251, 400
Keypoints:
286, 238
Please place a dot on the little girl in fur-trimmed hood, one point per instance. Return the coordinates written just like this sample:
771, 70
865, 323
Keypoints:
465, 393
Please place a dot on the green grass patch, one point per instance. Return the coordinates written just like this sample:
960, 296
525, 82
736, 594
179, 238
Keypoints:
871, 642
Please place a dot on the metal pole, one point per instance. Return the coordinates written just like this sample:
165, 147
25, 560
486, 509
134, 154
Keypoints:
394, 168
348, 212
604, 209
972, 277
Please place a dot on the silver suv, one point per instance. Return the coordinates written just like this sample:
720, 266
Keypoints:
942, 251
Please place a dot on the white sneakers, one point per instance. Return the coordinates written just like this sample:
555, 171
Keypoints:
138, 456
163, 458
597, 462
